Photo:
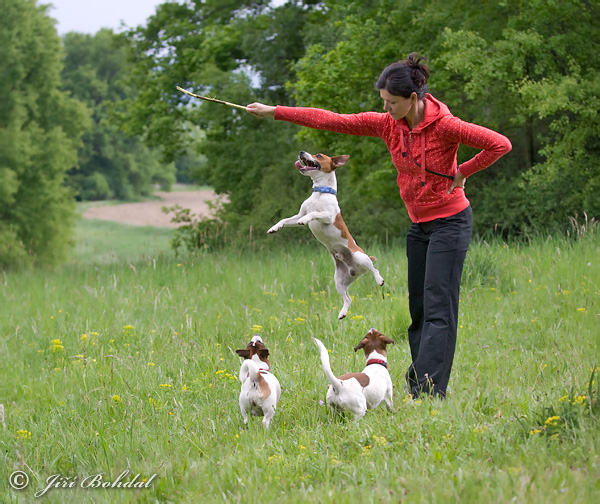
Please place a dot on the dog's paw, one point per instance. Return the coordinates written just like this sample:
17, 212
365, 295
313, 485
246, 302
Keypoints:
303, 221
380, 281
274, 229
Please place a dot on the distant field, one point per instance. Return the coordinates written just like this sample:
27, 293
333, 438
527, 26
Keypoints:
149, 212
124, 360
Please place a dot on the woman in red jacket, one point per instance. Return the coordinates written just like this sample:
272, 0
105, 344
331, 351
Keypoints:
423, 138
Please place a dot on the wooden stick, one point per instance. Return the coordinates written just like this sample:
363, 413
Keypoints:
211, 99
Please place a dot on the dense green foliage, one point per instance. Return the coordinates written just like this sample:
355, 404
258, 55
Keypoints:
212, 47
110, 164
131, 365
526, 69
40, 132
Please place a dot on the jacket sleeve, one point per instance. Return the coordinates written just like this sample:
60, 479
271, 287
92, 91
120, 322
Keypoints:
362, 124
493, 145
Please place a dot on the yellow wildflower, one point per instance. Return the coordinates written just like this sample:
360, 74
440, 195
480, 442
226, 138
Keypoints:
57, 345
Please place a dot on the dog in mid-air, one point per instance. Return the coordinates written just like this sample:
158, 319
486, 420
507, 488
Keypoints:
321, 212
357, 392
260, 388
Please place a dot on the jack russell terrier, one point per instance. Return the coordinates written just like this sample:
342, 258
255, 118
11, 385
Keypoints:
260, 389
358, 392
322, 214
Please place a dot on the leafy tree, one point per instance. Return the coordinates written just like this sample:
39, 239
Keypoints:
544, 69
527, 69
40, 132
339, 73
498, 64
238, 50
111, 165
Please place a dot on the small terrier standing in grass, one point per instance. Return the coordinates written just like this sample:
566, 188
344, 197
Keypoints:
322, 214
357, 392
260, 388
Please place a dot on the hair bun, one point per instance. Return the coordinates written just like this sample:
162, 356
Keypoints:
419, 71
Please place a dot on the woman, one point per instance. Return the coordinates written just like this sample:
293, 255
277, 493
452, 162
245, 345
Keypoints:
423, 138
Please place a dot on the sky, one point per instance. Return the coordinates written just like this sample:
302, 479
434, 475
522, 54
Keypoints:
89, 16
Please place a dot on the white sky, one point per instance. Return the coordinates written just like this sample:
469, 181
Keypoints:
89, 16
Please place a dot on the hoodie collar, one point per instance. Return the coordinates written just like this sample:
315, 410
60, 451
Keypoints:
434, 110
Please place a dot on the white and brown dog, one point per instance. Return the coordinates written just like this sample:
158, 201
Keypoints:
260, 388
322, 214
357, 392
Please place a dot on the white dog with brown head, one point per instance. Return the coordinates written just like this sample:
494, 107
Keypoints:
260, 388
357, 392
321, 212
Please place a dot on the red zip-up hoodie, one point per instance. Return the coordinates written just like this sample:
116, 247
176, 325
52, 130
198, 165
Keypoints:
424, 157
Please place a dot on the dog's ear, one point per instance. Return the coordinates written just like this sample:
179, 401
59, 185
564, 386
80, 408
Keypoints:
263, 353
360, 345
338, 161
387, 341
243, 353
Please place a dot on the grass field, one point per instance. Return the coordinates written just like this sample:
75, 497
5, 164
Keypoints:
101, 242
124, 360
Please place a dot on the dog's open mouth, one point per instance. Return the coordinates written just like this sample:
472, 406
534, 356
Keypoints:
307, 163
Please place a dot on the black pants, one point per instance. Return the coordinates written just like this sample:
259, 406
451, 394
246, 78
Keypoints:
436, 252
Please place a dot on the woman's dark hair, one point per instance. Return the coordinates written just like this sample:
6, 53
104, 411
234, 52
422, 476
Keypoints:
405, 77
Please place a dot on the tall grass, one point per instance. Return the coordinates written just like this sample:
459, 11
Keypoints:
117, 364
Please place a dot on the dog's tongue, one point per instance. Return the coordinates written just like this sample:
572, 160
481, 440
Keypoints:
299, 165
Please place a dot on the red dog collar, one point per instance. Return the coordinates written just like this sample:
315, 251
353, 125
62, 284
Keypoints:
377, 361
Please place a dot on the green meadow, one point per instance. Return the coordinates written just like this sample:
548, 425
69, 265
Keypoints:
124, 360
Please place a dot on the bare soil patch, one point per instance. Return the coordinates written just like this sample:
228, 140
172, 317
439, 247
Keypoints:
149, 213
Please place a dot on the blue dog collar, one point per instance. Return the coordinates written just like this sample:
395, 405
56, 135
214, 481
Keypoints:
323, 189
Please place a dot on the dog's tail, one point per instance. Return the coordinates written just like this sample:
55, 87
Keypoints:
250, 370
335, 383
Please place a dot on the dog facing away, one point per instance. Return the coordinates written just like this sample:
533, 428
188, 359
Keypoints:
357, 392
322, 214
260, 388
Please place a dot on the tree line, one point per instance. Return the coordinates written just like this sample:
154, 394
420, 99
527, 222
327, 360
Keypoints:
529, 69
99, 117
